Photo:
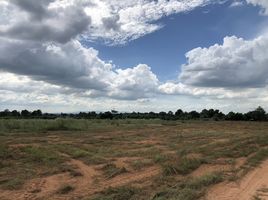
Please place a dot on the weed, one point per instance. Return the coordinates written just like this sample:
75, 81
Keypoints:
110, 170
4, 152
258, 158
12, 184
41, 155
191, 189
65, 189
122, 193
184, 166
139, 164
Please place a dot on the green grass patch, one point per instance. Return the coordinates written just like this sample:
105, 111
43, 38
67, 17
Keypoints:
110, 170
121, 193
140, 164
12, 184
257, 158
65, 189
42, 156
191, 189
183, 167
81, 154
4, 152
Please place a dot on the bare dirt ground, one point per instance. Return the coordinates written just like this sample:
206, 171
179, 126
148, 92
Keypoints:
255, 183
157, 162
90, 182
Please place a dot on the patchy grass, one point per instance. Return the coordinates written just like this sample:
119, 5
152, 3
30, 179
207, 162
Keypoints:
140, 164
79, 153
19, 164
65, 189
258, 157
183, 167
42, 156
190, 189
121, 193
12, 184
39, 148
110, 170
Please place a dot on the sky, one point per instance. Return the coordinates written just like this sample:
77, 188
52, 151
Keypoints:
133, 55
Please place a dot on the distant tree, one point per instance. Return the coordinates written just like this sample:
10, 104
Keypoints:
36, 113
204, 113
258, 114
179, 114
230, 116
217, 115
106, 115
25, 113
5, 113
162, 115
92, 115
194, 115
15, 113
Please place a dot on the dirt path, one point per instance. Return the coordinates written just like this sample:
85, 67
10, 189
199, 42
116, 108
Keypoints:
40, 188
91, 182
131, 177
253, 184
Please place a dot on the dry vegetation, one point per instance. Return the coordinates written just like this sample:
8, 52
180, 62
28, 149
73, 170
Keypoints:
132, 159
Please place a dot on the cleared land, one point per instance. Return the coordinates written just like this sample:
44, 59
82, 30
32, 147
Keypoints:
133, 159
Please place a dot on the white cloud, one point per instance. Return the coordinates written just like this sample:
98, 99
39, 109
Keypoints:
43, 63
19, 91
132, 83
218, 93
42, 42
234, 73
237, 63
34, 20
130, 20
261, 3
236, 4
114, 22
78, 68
67, 64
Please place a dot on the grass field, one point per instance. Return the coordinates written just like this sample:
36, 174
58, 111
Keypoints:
126, 159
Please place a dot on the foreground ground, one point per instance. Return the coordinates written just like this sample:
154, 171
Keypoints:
133, 159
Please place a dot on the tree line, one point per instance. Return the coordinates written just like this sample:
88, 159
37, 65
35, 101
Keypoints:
259, 114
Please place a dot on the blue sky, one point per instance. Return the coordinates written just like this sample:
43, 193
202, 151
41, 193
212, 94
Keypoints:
164, 50
133, 55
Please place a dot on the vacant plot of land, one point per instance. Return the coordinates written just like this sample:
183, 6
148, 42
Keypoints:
133, 159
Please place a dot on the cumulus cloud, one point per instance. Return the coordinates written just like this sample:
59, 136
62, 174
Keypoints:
261, 3
214, 93
69, 64
132, 83
37, 21
129, 20
20, 92
237, 63
112, 21
42, 43
73, 66
42, 60
236, 4
38, 9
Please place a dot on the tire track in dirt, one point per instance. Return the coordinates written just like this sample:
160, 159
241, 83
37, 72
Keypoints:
131, 177
245, 189
39, 188
84, 186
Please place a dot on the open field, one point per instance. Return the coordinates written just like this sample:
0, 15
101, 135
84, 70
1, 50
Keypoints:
133, 159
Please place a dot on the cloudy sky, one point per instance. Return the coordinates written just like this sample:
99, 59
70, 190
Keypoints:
133, 55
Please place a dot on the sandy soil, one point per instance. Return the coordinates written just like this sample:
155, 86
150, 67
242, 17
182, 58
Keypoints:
86, 185
255, 183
